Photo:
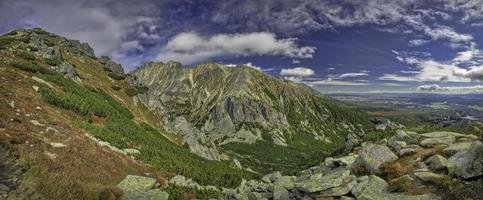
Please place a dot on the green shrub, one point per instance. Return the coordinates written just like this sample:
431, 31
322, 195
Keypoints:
176, 192
25, 39
131, 92
49, 43
116, 76
378, 135
53, 62
27, 56
32, 68
12, 33
4, 41
34, 49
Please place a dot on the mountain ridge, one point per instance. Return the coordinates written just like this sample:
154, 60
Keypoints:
223, 105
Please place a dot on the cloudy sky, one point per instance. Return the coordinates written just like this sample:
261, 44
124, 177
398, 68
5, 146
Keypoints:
332, 45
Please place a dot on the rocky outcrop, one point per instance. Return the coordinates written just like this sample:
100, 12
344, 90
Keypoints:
141, 188
371, 156
111, 66
467, 163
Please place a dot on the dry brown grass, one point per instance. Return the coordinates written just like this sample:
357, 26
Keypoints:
407, 165
81, 170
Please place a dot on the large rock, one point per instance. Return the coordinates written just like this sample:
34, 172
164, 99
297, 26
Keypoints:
430, 177
183, 181
141, 188
429, 142
468, 163
402, 136
455, 148
68, 71
375, 188
371, 156
280, 193
320, 182
436, 162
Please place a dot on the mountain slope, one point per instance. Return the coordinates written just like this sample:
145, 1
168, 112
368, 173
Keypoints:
76, 128
239, 112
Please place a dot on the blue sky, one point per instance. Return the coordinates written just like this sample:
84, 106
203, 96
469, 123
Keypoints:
332, 45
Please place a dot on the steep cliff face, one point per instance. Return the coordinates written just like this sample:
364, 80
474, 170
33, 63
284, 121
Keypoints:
213, 106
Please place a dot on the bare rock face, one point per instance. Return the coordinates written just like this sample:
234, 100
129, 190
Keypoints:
212, 105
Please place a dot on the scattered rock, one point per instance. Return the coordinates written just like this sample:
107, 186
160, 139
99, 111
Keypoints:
50, 155
430, 177
131, 152
375, 188
183, 181
320, 182
12, 104
39, 80
57, 145
403, 136
140, 187
36, 123
371, 156
139, 183
396, 145
467, 163
436, 162
406, 151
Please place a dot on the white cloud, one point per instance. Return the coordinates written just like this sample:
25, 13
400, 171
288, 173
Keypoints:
353, 75
297, 72
190, 47
336, 83
462, 89
417, 42
473, 73
248, 64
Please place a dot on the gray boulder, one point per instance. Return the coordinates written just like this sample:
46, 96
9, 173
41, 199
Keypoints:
430, 177
371, 156
429, 142
280, 193
375, 188
468, 163
455, 148
436, 162
141, 188
320, 182
68, 71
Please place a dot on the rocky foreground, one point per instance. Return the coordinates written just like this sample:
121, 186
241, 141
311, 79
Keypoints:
405, 166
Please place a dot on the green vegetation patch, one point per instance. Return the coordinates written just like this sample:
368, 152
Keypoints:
27, 55
52, 62
33, 68
179, 192
4, 41
377, 135
121, 131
